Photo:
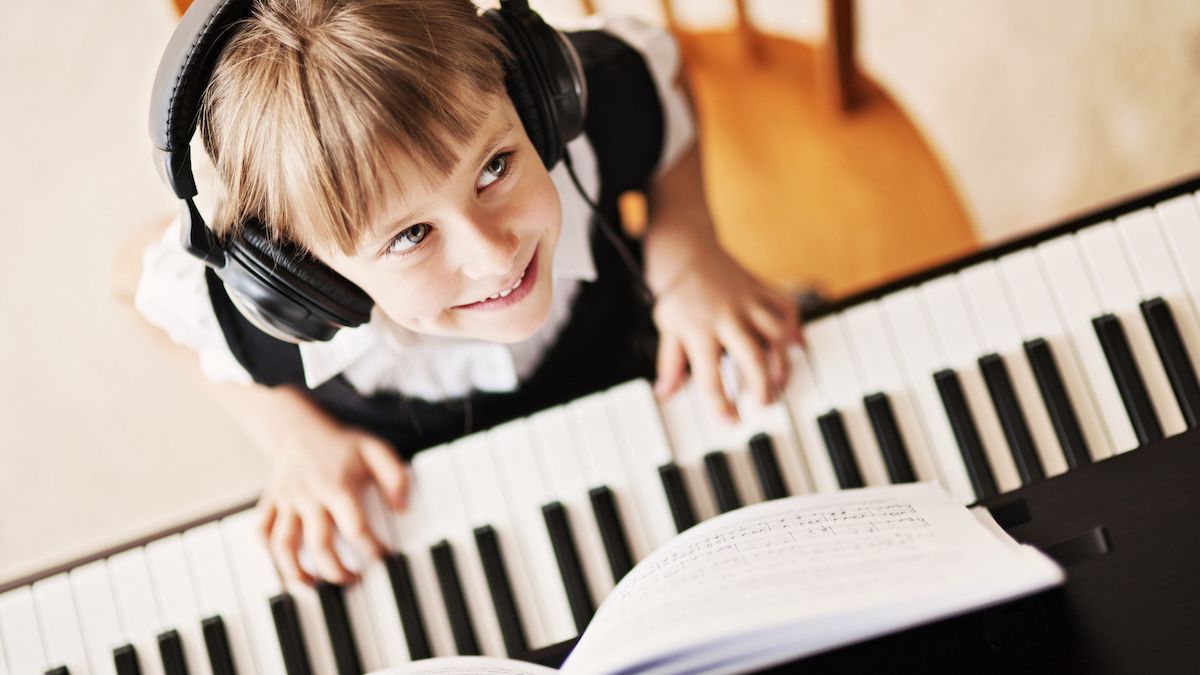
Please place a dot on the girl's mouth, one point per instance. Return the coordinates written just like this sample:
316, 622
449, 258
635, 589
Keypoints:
511, 295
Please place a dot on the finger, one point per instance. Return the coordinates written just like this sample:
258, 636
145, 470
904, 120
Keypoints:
672, 365
318, 541
266, 518
779, 367
777, 335
285, 548
704, 358
352, 524
747, 353
787, 309
388, 470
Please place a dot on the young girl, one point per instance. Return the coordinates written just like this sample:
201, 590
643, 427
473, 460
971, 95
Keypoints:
378, 137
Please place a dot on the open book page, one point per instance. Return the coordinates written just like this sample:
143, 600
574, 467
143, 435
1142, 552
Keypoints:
778, 580
467, 665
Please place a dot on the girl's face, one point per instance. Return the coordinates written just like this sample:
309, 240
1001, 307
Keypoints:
472, 256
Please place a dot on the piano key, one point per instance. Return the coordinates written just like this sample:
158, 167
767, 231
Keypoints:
137, 606
612, 531
3, 658
523, 485
445, 505
1169, 342
216, 595
172, 583
1118, 291
878, 354
256, 582
1128, 375
716, 466
404, 592
1058, 405
836, 373
731, 438
170, 649
904, 320
1000, 332
675, 486
841, 456
127, 661
887, 434
1076, 300
766, 466
337, 624
1012, 419
772, 426
358, 612
289, 635
60, 670
383, 598
217, 646
960, 348
555, 449
688, 446
311, 617
558, 527
99, 623
501, 590
20, 632
1038, 318
1180, 221
487, 507
805, 403
965, 433
642, 440
450, 584
59, 623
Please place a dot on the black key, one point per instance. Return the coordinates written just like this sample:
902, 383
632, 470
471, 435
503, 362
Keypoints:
501, 590
766, 466
612, 531
291, 638
682, 510
61, 670
1129, 378
1012, 418
406, 604
887, 434
126, 660
965, 433
1054, 395
840, 454
1174, 357
721, 481
170, 648
559, 529
337, 624
453, 598
216, 643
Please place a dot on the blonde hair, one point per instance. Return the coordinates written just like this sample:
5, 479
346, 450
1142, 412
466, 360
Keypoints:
311, 97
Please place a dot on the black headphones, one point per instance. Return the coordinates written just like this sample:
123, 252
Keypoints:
276, 285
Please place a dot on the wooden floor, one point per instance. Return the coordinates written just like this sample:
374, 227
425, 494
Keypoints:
803, 196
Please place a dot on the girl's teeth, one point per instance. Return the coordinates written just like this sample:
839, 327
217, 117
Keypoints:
504, 294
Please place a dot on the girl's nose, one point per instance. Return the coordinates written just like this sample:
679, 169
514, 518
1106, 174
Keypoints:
488, 250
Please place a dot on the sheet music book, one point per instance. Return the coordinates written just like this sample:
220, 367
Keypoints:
773, 582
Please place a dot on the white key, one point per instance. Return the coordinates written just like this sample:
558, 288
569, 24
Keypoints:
688, 447
172, 583
912, 333
358, 612
1038, 317
643, 443
3, 658
524, 488
961, 349
137, 606
1180, 218
880, 372
1142, 236
387, 629
257, 582
836, 374
1078, 305
312, 619
98, 620
59, 622
774, 421
434, 470
1118, 292
999, 333
487, 505
805, 403
728, 437
216, 594
603, 464
556, 452
413, 535
20, 631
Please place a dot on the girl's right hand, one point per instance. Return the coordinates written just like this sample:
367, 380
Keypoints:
319, 469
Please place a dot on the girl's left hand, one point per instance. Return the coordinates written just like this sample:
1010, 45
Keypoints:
715, 306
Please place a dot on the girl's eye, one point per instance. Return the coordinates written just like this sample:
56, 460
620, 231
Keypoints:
409, 238
495, 171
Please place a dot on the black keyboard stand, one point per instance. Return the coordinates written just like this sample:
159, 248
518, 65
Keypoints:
1127, 530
